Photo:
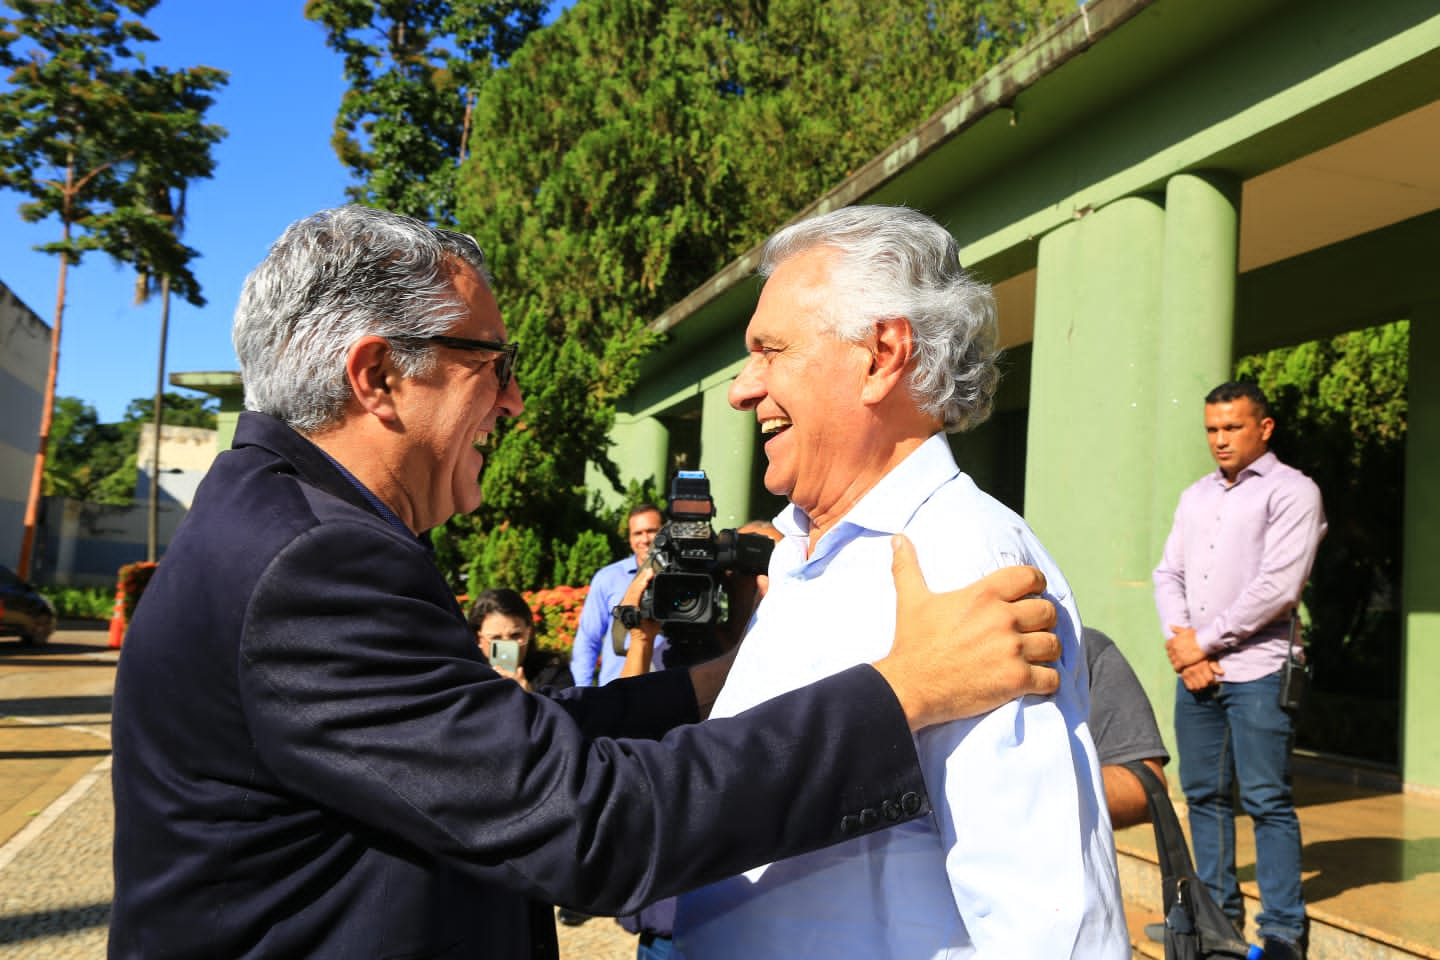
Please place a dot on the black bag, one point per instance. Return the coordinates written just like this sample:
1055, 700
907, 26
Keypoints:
1294, 675
1195, 926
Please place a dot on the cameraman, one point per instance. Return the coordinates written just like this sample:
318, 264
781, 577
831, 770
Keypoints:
745, 594
655, 924
592, 639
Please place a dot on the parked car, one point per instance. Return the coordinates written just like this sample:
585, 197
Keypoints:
24, 611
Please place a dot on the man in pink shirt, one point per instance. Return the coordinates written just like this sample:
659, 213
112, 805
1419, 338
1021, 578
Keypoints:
1238, 554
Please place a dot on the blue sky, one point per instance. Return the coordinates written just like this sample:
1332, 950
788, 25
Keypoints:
275, 166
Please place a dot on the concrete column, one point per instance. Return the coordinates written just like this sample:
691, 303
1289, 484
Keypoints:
1420, 606
68, 535
1196, 336
1091, 432
640, 447
727, 452
225, 422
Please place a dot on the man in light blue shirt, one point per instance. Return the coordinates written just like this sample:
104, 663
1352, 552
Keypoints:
607, 588
869, 342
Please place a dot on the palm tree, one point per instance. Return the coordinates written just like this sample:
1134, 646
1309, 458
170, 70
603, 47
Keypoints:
157, 197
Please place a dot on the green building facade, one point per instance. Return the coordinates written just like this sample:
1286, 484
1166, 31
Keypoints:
1153, 187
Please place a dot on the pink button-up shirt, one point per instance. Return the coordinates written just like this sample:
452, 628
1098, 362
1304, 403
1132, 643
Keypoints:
1235, 562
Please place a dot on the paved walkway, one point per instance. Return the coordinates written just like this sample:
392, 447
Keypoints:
1372, 856
56, 817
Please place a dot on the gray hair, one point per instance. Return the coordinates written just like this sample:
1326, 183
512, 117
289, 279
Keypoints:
330, 279
896, 262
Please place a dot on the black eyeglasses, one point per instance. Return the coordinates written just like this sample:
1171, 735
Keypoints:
504, 364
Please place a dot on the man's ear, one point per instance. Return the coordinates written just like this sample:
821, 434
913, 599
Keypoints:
370, 369
890, 354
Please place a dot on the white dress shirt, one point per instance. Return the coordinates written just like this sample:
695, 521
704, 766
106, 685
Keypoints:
1017, 860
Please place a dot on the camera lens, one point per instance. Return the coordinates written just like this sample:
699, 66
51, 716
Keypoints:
682, 599
682, 596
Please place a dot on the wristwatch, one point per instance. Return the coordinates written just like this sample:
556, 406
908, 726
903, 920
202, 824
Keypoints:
628, 616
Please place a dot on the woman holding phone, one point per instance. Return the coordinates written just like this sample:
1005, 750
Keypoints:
504, 625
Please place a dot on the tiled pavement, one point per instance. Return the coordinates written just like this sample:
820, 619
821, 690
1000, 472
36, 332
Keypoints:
55, 796
55, 812
1372, 856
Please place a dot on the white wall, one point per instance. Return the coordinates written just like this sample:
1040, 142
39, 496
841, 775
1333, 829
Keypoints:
24, 360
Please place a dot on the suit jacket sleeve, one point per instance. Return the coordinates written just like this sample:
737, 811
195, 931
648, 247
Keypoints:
364, 691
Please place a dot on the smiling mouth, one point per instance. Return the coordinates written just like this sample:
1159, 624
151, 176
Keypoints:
773, 425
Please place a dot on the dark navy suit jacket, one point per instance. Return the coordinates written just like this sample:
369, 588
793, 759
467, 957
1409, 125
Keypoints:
311, 759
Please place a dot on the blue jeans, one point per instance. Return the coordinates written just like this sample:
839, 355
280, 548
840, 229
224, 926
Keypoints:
661, 948
1237, 731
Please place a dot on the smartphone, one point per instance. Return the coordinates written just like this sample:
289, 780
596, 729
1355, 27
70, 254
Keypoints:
505, 654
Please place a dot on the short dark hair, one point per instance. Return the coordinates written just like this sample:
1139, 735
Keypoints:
640, 508
500, 600
1232, 390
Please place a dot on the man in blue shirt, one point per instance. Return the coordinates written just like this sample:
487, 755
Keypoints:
607, 587
869, 343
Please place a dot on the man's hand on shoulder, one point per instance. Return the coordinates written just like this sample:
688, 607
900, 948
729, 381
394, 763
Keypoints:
962, 653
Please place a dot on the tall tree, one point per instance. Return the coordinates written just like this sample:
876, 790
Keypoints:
1341, 411
81, 115
415, 67
78, 444
634, 147
164, 192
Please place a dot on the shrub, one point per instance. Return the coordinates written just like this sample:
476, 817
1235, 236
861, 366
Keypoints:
86, 603
579, 561
508, 556
557, 616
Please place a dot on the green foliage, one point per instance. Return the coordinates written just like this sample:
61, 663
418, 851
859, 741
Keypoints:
634, 147
87, 130
1340, 411
414, 68
96, 462
507, 556
87, 603
96, 138
577, 562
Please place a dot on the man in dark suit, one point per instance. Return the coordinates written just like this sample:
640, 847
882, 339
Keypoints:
312, 759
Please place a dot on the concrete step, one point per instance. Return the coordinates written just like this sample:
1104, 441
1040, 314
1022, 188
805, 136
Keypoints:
1332, 937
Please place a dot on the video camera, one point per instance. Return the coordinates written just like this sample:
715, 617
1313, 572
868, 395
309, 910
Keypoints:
687, 595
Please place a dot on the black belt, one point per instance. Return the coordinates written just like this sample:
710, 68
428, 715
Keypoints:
647, 937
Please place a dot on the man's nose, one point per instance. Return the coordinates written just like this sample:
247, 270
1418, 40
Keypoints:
510, 403
746, 389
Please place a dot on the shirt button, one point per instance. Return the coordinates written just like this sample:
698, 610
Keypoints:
910, 802
891, 809
869, 817
849, 825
